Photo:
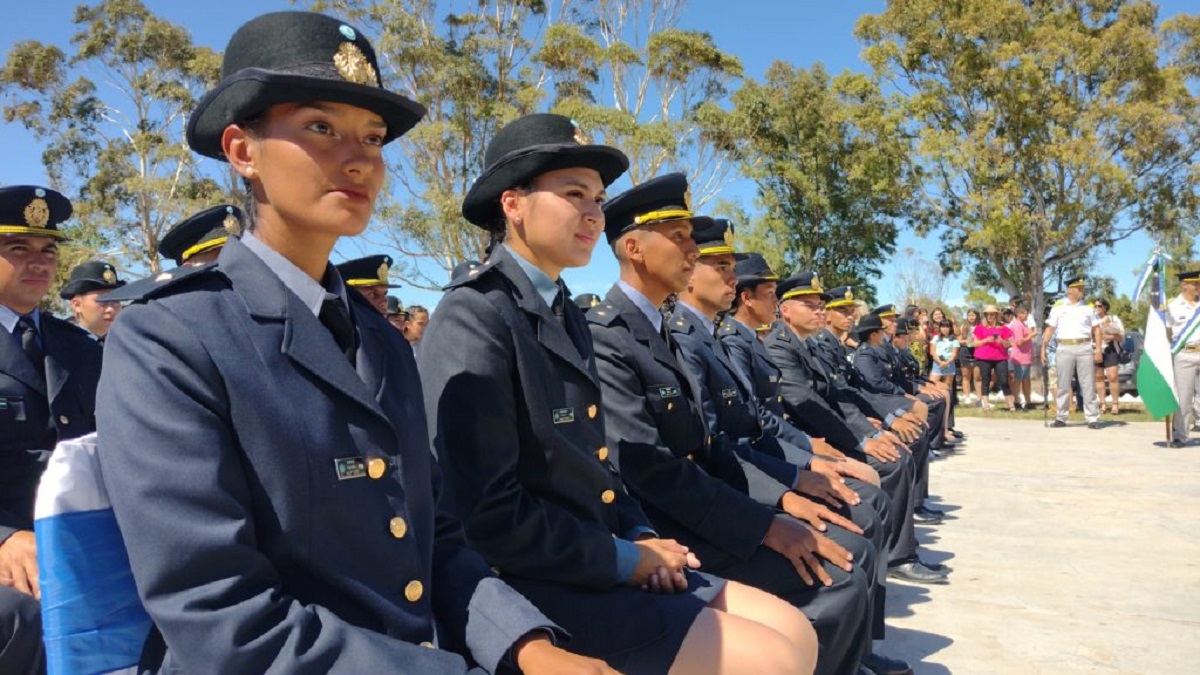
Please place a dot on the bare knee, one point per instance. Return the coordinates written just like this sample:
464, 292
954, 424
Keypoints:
724, 644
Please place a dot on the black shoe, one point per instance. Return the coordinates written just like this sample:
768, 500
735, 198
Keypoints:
1094, 425
926, 511
1058, 424
926, 518
915, 572
885, 665
956, 433
1178, 443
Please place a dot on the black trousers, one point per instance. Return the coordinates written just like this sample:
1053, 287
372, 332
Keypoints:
985, 375
898, 481
21, 650
870, 514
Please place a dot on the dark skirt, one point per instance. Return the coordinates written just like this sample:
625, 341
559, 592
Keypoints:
634, 631
1112, 358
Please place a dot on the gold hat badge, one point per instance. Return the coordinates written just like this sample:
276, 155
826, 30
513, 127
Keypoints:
850, 294
231, 223
383, 272
816, 283
581, 136
729, 237
353, 65
110, 277
37, 213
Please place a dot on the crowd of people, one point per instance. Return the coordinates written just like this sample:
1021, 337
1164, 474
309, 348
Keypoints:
711, 469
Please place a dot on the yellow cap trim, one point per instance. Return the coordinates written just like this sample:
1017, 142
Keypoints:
838, 303
1077, 283
717, 250
661, 216
366, 282
202, 247
1195, 278
800, 291
32, 231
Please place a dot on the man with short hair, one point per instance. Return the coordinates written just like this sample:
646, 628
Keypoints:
49, 370
414, 328
1074, 326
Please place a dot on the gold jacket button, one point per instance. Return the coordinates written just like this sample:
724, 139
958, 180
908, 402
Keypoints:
691, 457
376, 467
602, 453
414, 590
670, 406
428, 645
62, 419
593, 411
608, 496
398, 527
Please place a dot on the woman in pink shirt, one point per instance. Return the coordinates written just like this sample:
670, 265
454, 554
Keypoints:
1020, 357
992, 340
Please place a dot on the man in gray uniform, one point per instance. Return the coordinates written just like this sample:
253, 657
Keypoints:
1182, 319
1073, 324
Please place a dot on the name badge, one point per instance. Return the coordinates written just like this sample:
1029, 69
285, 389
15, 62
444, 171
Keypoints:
350, 467
728, 394
668, 392
564, 415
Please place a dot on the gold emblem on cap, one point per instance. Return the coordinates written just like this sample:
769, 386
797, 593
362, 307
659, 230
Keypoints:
383, 272
110, 277
37, 213
729, 237
687, 199
850, 294
232, 225
353, 65
816, 283
581, 137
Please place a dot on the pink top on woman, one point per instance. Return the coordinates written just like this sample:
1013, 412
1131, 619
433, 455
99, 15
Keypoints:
1022, 355
991, 351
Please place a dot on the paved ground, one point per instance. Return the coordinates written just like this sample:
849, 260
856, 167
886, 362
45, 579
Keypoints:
1074, 551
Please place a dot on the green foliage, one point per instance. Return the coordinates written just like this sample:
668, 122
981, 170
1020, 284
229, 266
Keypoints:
1045, 129
119, 154
831, 167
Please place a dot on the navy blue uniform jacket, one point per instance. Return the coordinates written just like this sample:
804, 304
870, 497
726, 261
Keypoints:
225, 411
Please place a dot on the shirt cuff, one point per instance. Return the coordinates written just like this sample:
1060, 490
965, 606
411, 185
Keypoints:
628, 557
638, 531
887, 421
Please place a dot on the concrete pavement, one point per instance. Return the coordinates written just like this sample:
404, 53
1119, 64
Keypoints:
1074, 551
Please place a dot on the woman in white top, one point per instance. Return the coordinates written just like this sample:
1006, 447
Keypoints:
1112, 334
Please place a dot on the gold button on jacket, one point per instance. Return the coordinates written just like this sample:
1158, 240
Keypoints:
608, 496
398, 527
602, 453
414, 590
376, 467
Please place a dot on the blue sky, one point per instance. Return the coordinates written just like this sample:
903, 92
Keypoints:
756, 31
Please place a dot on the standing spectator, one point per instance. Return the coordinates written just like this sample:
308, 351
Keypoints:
1112, 337
1073, 325
943, 357
418, 319
992, 340
1020, 357
966, 354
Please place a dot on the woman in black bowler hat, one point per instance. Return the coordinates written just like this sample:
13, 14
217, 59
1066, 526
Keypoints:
516, 419
262, 435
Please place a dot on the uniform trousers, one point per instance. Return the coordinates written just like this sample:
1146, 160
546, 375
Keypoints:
871, 515
21, 650
898, 481
1078, 361
1187, 369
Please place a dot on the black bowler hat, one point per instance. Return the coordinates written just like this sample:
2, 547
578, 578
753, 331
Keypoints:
866, 325
294, 57
90, 276
885, 311
657, 200
840, 296
1193, 275
804, 283
204, 231
752, 268
903, 326
713, 236
371, 270
1076, 281
526, 148
587, 301
32, 211
393, 306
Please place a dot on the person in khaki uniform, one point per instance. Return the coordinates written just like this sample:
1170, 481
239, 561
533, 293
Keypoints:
1073, 324
1182, 319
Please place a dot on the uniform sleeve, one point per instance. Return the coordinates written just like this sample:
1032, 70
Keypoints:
1055, 313
182, 498
674, 485
469, 378
808, 410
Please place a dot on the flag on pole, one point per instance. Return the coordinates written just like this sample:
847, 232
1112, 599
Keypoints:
92, 619
1156, 368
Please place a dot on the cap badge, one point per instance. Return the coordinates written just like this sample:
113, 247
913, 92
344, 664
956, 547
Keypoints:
110, 277
353, 65
37, 213
687, 199
383, 272
581, 137
347, 32
729, 237
816, 283
849, 294
231, 223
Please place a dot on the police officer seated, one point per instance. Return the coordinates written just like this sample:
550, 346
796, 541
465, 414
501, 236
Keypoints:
48, 375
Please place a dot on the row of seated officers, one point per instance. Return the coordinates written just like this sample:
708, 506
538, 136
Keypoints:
628, 490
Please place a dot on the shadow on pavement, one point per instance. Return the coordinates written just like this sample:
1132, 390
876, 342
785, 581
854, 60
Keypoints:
915, 647
901, 597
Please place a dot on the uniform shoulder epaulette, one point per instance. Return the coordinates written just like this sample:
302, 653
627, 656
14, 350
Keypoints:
160, 284
727, 327
678, 325
471, 275
602, 314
